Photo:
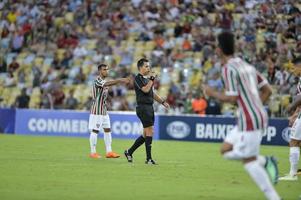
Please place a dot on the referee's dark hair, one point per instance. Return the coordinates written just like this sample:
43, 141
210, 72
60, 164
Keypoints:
141, 62
101, 66
226, 43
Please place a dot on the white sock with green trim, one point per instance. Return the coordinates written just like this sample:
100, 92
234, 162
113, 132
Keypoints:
107, 137
261, 178
93, 142
294, 160
261, 160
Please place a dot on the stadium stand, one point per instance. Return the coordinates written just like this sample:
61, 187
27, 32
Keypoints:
51, 47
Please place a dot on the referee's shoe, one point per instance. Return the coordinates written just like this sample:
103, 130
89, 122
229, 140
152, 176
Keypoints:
128, 156
150, 162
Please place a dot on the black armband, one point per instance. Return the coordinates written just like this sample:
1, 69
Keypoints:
152, 78
163, 102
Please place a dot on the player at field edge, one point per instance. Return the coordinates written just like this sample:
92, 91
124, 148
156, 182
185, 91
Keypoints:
248, 89
99, 117
295, 123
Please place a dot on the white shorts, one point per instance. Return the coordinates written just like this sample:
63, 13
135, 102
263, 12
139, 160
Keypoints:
247, 143
99, 121
296, 129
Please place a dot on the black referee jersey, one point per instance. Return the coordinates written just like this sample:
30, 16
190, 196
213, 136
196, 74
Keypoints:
141, 97
144, 109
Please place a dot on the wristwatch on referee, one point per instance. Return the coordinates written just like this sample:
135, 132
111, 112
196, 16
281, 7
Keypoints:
152, 78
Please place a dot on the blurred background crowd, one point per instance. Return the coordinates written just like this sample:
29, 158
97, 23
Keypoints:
49, 50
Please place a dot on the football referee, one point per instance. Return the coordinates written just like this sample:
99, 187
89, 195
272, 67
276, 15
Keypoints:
145, 97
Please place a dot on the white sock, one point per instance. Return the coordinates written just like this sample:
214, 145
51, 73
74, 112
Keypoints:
108, 141
261, 160
259, 175
294, 159
93, 142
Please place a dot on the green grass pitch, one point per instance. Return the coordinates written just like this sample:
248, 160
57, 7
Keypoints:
33, 167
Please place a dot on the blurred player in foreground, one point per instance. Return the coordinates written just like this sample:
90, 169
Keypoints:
248, 89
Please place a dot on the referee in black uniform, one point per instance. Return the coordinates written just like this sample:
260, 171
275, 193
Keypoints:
145, 97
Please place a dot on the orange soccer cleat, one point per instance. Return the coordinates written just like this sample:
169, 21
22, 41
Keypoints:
94, 155
112, 155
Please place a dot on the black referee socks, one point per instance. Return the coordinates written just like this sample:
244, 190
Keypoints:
148, 147
139, 141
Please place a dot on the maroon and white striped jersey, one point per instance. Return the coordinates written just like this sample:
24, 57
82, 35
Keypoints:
242, 80
99, 95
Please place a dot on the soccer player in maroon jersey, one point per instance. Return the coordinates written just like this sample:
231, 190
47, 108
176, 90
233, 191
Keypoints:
295, 121
99, 117
248, 89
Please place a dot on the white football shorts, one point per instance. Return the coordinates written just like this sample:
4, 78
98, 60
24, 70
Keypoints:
296, 129
99, 121
245, 142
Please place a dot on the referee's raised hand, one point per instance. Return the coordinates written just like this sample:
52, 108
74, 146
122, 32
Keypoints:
153, 75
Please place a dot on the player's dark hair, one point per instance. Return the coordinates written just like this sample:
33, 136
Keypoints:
101, 66
297, 60
226, 42
141, 62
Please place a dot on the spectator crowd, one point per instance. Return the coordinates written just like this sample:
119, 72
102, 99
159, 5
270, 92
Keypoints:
49, 49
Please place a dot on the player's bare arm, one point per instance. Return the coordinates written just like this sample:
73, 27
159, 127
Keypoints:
117, 81
293, 117
161, 101
265, 93
208, 91
295, 104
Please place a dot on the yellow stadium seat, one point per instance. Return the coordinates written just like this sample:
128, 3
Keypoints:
69, 17
236, 16
77, 62
139, 44
212, 17
87, 69
112, 43
91, 44
285, 101
170, 25
163, 90
274, 105
38, 61
150, 45
117, 58
22, 55
36, 91
35, 102
175, 75
59, 22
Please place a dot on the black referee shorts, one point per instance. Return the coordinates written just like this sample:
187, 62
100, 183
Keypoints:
146, 114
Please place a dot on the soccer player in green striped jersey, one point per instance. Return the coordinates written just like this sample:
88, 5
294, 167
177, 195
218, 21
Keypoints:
99, 117
248, 89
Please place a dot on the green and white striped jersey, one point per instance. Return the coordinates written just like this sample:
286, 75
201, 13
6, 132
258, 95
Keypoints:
99, 95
